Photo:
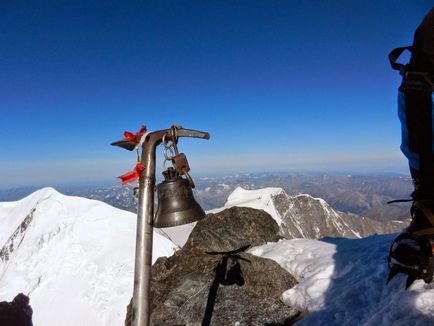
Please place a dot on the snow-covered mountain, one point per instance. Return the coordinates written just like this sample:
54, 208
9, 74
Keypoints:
304, 216
72, 256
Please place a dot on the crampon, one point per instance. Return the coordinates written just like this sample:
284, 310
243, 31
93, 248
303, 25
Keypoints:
411, 253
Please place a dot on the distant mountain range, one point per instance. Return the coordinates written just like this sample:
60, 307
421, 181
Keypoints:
365, 195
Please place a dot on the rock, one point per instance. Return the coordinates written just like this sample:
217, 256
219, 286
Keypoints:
233, 228
193, 287
16, 313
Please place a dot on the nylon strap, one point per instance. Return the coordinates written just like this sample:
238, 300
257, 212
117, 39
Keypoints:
421, 204
394, 56
429, 231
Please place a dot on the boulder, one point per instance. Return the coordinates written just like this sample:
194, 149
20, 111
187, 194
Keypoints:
233, 228
16, 313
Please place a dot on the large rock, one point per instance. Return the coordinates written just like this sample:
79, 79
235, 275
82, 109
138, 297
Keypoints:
16, 313
233, 228
227, 286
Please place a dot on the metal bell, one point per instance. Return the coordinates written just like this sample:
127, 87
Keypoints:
176, 204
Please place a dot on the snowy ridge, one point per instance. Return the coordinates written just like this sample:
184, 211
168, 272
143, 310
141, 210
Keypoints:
304, 216
259, 199
74, 257
342, 282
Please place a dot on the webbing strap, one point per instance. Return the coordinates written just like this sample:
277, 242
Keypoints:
394, 56
421, 204
429, 231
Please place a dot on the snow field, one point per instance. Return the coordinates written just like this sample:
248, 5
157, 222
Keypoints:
342, 282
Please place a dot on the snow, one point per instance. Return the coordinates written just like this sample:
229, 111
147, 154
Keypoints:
10, 212
75, 260
178, 234
259, 199
342, 282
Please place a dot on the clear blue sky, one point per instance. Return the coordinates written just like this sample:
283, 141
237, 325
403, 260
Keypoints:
280, 85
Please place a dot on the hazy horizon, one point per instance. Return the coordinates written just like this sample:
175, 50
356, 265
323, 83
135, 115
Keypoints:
198, 175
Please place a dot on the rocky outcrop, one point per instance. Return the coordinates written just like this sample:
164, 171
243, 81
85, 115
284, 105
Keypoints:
232, 229
16, 238
16, 313
304, 216
213, 281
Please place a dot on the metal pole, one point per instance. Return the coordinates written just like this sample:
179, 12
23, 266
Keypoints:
141, 306
141, 309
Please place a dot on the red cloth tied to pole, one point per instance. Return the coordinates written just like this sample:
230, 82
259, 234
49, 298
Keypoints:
135, 137
132, 175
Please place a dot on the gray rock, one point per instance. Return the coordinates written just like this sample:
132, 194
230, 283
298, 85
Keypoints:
233, 228
16, 313
193, 287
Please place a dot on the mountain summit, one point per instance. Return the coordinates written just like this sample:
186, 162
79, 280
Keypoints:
72, 256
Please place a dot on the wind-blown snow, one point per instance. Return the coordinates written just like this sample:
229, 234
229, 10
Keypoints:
342, 282
75, 259
259, 199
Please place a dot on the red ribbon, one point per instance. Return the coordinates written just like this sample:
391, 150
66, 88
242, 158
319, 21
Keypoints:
132, 175
135, 174
135, 137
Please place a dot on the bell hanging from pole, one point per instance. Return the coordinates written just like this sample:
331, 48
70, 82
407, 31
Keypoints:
176, 204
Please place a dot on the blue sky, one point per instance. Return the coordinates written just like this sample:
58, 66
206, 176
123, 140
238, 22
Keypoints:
280, 85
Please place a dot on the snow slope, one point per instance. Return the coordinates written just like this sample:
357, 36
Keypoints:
259, 199
342, 282
73, 256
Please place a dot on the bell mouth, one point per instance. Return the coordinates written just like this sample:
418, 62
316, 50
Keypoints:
191, 215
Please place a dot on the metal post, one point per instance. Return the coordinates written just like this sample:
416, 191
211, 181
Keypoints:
141, 309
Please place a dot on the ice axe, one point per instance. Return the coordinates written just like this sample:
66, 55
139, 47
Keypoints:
175, 189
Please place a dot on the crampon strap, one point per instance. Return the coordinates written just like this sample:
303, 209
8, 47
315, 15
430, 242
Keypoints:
422, 205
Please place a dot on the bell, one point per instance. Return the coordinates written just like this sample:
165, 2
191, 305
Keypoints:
176, 204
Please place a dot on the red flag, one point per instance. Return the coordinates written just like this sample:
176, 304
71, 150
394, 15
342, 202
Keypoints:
132, 175
135, 137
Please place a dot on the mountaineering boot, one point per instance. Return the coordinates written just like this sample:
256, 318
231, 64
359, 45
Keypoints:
411, 252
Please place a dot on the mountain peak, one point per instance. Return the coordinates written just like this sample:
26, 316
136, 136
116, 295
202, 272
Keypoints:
43, 193
71, 253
